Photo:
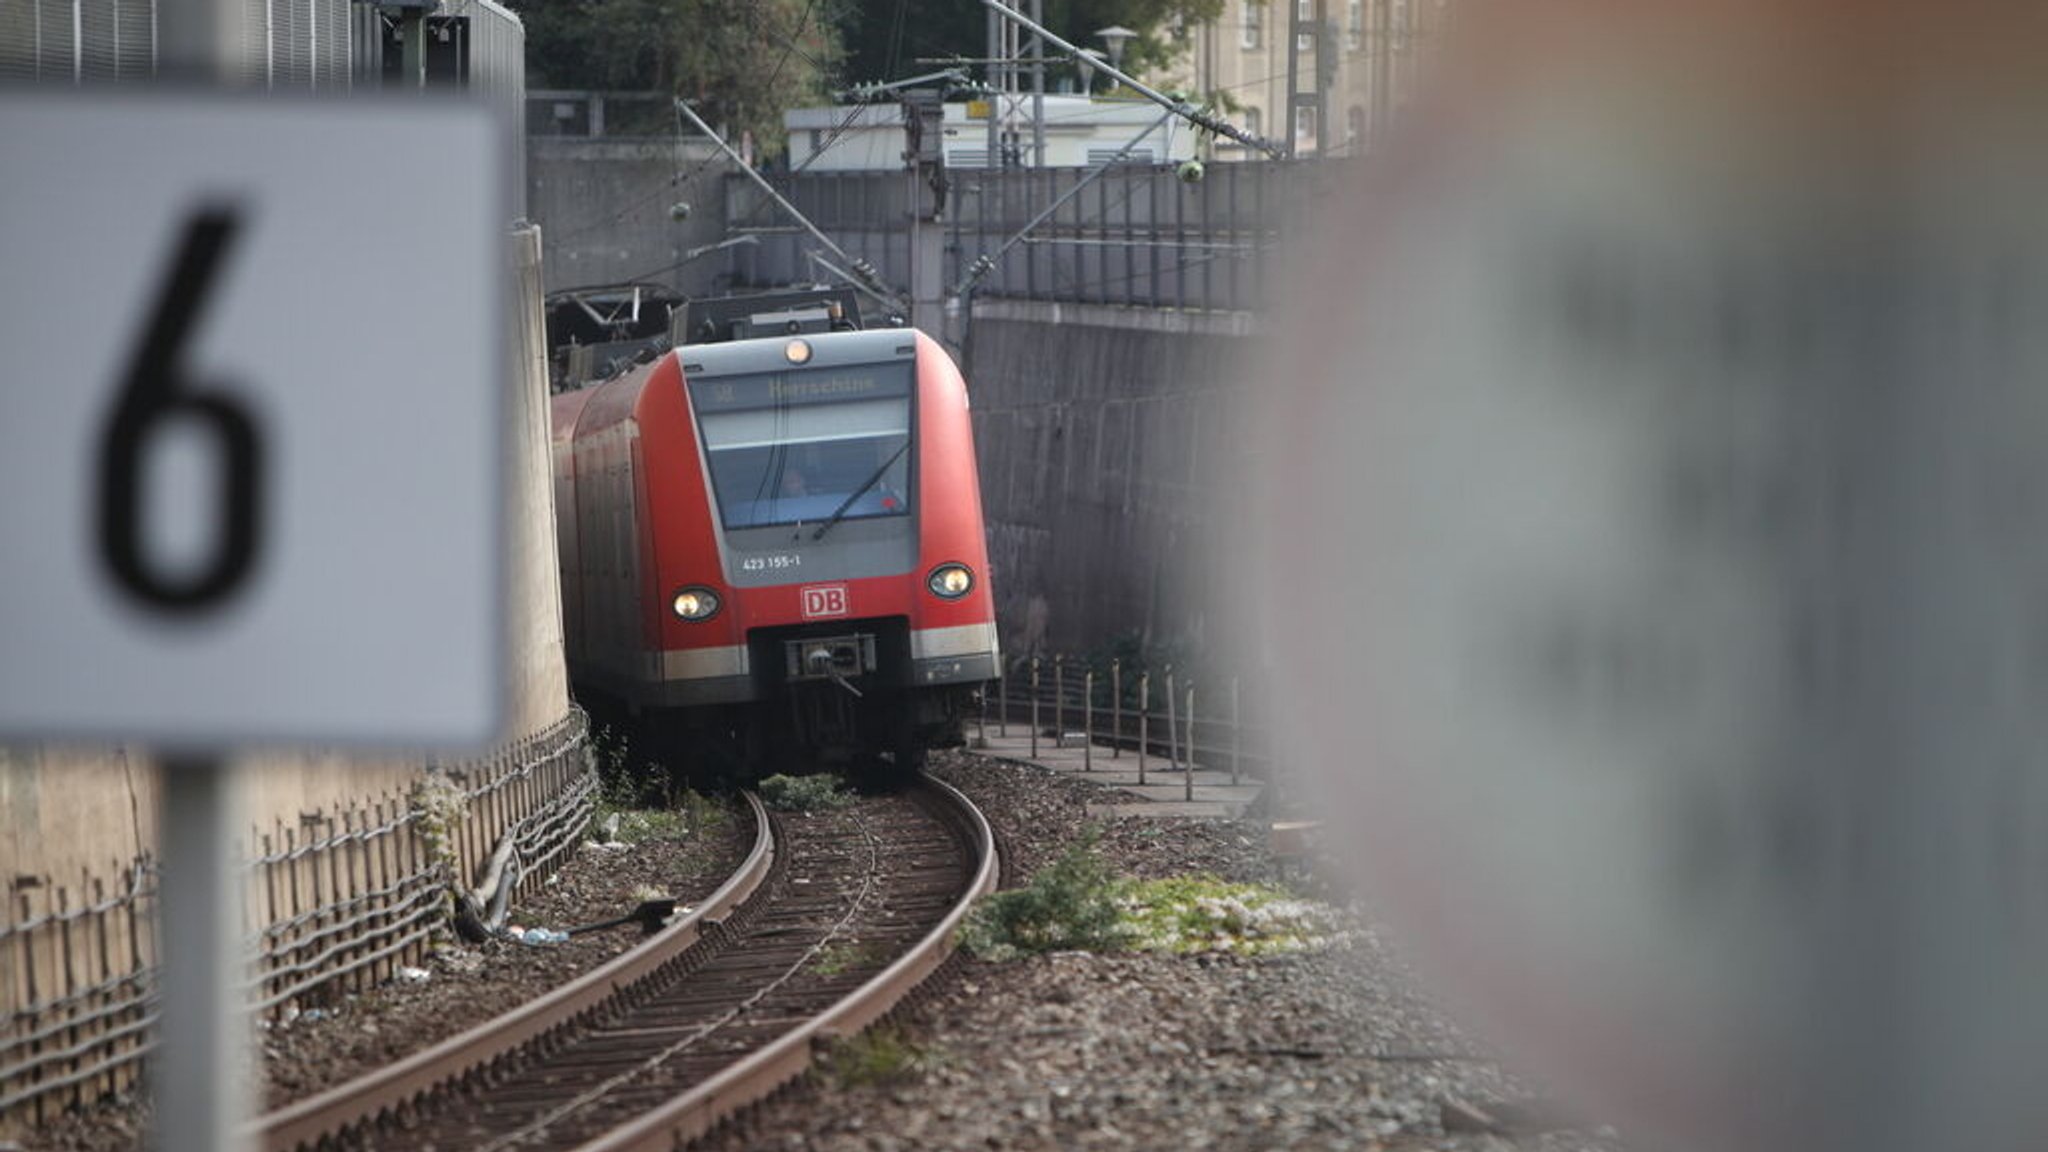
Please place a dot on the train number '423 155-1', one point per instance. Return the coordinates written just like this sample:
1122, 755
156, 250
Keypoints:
771, 563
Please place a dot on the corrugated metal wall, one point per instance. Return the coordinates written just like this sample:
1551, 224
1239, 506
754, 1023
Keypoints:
291, 44
68, 41
299, 44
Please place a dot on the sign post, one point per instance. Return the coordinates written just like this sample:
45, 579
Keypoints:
249, 470
201, 1091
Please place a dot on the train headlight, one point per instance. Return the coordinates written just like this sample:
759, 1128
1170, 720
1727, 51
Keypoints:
797, 351
950, 581
695, 603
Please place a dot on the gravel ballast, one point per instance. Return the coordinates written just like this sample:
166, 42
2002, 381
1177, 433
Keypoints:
327, 1044
1333, 1048
1326, 1049
467, 985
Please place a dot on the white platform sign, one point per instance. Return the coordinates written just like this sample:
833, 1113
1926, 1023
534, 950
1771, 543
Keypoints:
250, 420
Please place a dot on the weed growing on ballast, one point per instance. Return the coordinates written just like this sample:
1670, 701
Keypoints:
1077, 904
845, 956
804, 793
693, 814
701, 812
1070, 904
881, 1055
1204, 914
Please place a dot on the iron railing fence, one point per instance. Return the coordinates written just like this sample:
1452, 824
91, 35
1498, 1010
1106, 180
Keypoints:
1134, 235
1154, 717
334, 904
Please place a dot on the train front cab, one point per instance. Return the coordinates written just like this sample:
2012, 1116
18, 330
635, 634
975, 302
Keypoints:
845, 515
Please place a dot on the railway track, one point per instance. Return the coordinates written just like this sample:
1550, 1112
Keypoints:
830, 922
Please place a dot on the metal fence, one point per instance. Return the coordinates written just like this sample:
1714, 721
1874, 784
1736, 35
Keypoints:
335, 903
1154, 717
1134, 234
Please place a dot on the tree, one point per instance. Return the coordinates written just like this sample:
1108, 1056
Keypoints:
884, 38
741, 62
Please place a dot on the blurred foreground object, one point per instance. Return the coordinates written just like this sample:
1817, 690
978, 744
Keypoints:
1658, 580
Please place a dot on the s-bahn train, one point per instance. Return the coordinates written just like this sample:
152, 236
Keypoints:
771, 540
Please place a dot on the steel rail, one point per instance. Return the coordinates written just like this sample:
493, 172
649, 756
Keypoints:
361, 1101
757, 1075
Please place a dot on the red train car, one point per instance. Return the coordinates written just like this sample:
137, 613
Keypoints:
775, 544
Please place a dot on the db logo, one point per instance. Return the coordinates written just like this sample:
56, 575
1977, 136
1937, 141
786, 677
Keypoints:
822, 600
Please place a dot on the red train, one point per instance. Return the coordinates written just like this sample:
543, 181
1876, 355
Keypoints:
771, 541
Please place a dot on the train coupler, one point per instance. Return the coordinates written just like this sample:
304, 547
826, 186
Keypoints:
833, 658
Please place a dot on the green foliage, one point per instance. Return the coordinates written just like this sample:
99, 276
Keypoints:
701, 812
442, 807
804, 793
884, 38
1075, 903
743, 62
1204, 914
622, 784
1071, 904
643, 797
878, 1056
638, 825
628, 782
836, 958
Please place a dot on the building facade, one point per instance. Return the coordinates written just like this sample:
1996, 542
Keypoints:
1366, 58
1079, 131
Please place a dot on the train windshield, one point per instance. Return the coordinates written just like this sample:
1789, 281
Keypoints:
802, 447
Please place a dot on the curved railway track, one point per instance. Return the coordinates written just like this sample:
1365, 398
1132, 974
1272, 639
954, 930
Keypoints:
830, 922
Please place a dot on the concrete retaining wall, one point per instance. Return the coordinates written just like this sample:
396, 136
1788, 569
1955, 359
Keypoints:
603, 208
1108, 449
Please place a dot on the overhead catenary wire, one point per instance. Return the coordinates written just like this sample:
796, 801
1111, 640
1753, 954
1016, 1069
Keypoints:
986, 263
831, 138
789, 44
851, 280
862, 270
697, 253
678, 178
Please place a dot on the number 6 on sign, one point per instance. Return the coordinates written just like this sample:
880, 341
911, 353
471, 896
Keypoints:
151, 394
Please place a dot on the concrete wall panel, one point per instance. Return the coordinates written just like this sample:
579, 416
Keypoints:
536, 663
1108, 465
603, 205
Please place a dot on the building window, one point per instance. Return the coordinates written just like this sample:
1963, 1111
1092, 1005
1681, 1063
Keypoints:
1305, 14
1354, 25
1254, 20
1304, 123
1354, 130
1252, 125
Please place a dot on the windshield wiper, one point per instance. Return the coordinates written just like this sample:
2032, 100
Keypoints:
839, 513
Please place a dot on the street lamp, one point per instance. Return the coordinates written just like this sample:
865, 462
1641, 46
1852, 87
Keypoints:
1114, 38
